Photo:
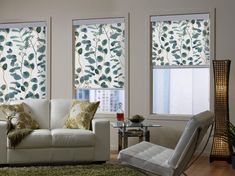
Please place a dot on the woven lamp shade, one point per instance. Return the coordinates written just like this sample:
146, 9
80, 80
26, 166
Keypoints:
221, 150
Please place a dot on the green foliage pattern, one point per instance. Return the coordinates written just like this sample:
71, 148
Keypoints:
22, 63
99, 56
183, 42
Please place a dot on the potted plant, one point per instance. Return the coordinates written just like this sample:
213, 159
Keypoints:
229, 137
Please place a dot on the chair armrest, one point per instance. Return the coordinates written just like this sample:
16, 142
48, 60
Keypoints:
101, 128
3, 142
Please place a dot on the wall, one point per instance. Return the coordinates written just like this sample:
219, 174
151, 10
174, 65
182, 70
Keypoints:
63, 11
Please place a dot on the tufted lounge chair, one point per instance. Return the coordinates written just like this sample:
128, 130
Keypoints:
165, 161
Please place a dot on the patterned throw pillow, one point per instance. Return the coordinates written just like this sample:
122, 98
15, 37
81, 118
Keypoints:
81, 114
19, 116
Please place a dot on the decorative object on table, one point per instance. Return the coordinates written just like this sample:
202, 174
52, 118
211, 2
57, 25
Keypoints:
221, 150
120, 113
136, 118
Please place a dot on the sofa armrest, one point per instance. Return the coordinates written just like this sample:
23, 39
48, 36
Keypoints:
101, 128
3, 142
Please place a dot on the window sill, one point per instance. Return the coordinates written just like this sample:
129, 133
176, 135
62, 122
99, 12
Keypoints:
108, 115
112, 117
169, 117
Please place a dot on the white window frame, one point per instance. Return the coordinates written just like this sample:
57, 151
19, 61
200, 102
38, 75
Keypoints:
105, 20
177, 117
31, 23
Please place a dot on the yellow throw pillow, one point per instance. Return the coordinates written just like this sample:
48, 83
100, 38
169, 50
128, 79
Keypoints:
19, 116
81, 114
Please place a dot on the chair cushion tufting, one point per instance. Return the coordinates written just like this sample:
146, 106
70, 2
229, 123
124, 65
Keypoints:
148, 156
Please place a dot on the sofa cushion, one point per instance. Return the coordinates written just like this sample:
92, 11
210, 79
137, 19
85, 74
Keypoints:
19, 116
81, 114
40, 110
59, 109
40, 138
72, 138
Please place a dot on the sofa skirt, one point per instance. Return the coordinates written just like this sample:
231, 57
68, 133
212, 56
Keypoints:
50, 155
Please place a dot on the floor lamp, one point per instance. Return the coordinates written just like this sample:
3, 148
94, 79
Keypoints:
221, 150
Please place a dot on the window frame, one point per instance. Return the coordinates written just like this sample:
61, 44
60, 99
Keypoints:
180, 117
48, 22
126, 83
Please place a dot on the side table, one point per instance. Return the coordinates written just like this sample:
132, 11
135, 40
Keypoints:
127, 129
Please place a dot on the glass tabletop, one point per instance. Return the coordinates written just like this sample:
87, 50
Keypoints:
129, 124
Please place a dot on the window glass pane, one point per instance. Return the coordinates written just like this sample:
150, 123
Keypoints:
109, 99
181, 91
22, 61
180, 40
180, 63
99, 73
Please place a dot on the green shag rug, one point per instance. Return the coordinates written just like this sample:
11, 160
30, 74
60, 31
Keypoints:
76, 170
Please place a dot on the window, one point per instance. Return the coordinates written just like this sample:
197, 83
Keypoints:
99, 72
180, 63
22, 61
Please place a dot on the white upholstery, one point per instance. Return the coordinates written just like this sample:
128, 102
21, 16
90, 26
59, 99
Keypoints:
40, 110
102, 141
59, 109
29, 156
148, 156
72, 154
53, 143
3, 141
201, 120
72, 138
40, 138
164, 161
50, 155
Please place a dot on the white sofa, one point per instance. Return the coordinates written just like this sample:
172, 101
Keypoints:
52, 143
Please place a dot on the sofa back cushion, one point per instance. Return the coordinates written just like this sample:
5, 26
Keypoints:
40, 110
59, 109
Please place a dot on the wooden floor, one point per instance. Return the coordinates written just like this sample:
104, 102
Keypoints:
201, 168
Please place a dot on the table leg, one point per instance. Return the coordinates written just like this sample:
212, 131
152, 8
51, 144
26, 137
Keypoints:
125, 145
141, 138
119, 140
147, 135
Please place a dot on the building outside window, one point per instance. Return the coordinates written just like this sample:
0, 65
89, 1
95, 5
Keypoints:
22, 61
99, 59
180, 63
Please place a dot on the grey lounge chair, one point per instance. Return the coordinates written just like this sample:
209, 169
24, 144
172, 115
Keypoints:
164, 161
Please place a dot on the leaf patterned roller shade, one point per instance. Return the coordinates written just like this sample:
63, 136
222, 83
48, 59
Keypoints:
181, 40
22, 61
99, 53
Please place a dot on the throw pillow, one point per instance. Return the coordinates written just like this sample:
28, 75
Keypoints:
81, 114
19, 116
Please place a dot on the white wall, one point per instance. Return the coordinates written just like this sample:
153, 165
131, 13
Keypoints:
63, 11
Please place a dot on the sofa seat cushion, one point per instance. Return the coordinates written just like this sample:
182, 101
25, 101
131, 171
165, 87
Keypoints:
72, 138
39, 138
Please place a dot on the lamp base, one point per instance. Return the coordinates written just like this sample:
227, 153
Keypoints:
220, 158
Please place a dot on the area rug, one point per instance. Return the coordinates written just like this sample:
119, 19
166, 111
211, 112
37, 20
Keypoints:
76, 170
